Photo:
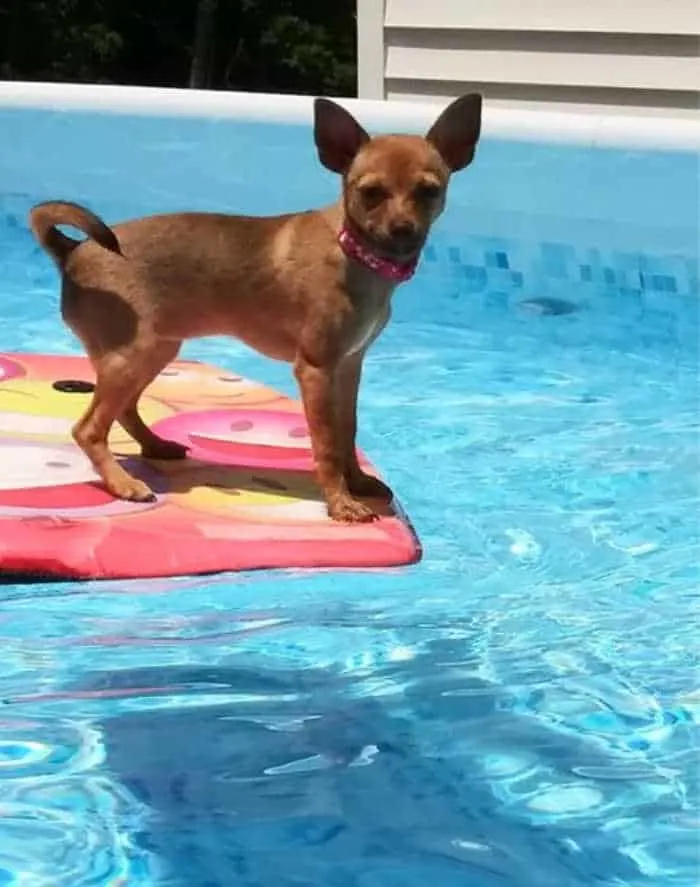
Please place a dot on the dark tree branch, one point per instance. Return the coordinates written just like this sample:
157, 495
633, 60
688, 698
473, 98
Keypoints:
204, 38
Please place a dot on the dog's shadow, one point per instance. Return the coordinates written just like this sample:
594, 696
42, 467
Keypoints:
277, 485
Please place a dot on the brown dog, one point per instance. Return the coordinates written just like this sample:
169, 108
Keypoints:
311, 288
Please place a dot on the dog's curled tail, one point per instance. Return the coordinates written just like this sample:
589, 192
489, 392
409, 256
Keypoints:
44, 217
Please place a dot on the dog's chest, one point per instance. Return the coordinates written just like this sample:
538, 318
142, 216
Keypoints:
364, 332
369, 317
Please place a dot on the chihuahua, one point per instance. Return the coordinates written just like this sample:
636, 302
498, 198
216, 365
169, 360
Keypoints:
311, 288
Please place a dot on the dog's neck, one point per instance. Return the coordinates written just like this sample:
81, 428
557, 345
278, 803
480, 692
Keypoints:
390, 269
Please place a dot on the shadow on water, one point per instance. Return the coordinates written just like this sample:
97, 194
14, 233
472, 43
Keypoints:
285, 777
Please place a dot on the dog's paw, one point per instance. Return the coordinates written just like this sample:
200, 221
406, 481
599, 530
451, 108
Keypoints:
365, 485
347, 510
132, 489
164, 449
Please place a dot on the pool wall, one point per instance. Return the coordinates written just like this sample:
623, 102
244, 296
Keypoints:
590, 128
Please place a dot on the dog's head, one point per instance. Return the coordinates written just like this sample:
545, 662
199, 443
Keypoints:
394, 186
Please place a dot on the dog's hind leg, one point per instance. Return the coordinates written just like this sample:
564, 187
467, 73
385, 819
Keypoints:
152, 446
120, 379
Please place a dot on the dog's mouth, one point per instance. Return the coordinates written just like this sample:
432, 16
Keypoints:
404, 248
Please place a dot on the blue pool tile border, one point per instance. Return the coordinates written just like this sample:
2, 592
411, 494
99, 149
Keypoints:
480, 267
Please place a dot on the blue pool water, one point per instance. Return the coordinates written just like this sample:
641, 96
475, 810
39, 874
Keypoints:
519, 710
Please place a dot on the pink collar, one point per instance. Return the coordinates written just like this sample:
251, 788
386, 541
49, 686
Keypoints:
398, 272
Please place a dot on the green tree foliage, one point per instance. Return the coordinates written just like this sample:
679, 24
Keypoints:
293, 46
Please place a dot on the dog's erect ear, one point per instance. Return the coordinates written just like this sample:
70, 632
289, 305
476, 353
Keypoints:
337, 134
456, 131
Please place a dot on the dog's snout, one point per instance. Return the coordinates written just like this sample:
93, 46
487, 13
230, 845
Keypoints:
402, 230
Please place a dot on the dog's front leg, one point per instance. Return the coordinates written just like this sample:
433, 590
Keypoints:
318, 394
348, 385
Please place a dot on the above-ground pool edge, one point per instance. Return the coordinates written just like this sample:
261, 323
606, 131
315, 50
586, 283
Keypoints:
641, 131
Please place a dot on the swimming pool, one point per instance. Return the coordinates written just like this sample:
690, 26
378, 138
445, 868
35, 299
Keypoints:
521, 708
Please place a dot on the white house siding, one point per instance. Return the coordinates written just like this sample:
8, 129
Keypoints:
568, 54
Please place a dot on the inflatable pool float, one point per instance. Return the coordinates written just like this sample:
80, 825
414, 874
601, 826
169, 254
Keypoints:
244, 499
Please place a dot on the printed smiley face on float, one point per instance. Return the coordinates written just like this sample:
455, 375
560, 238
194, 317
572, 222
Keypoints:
48, 479
253, 438
41, 410
183, 383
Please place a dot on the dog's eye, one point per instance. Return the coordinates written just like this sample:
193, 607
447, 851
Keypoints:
373, 193
427, 191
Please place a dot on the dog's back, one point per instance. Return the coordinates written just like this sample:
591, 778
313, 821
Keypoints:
193, 274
